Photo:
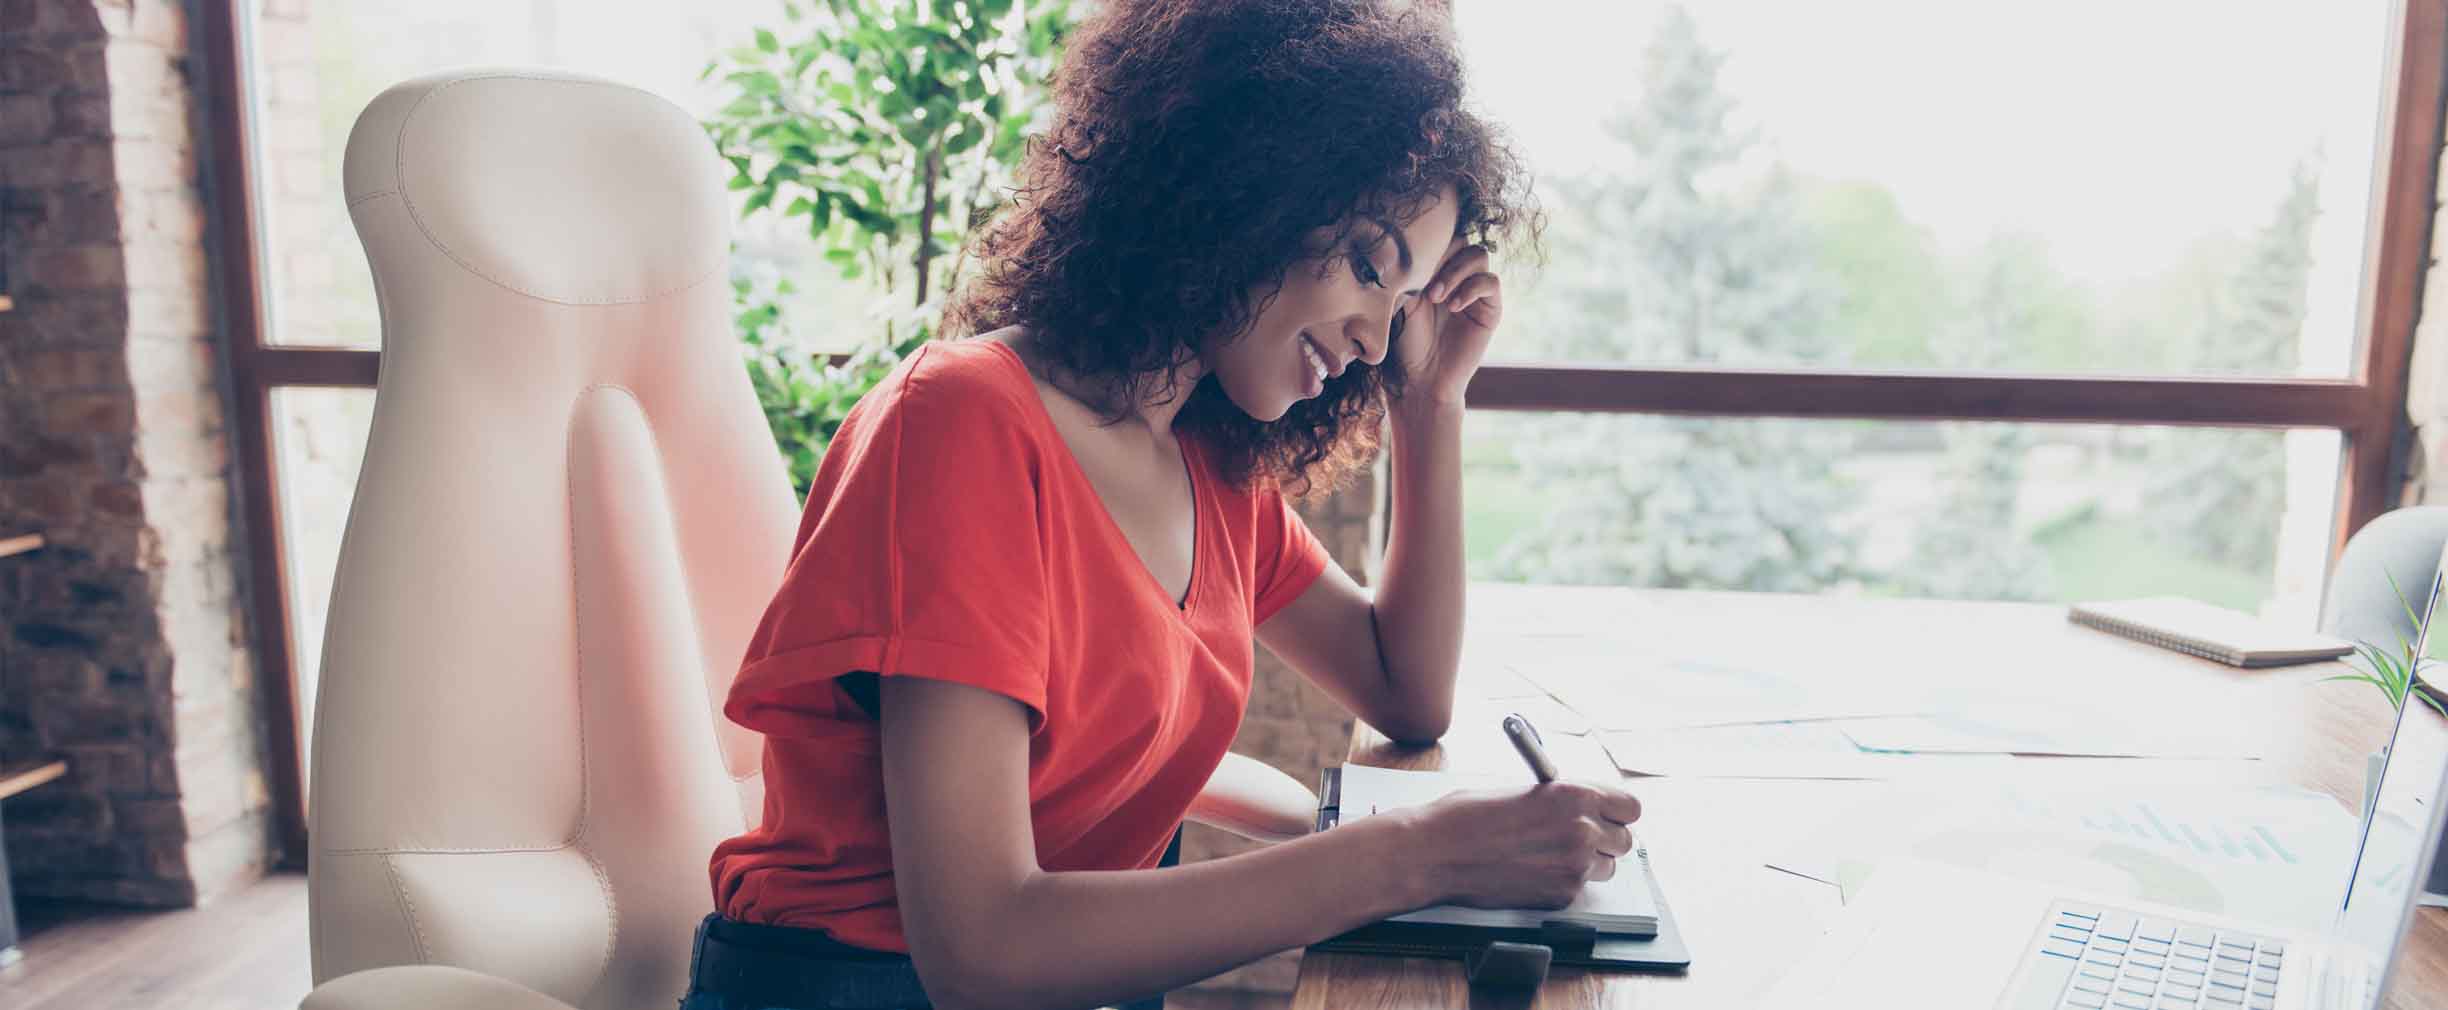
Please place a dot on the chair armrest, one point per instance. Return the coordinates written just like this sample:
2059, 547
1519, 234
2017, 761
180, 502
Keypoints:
1248, 797
425, 987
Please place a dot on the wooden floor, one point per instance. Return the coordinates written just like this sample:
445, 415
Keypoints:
246, 951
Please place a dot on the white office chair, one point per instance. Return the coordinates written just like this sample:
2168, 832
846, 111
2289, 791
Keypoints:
570, 518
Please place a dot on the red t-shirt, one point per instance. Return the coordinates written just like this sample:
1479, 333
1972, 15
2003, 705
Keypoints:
951, 534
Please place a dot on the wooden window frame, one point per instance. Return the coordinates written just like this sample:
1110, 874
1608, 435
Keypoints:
2367, 408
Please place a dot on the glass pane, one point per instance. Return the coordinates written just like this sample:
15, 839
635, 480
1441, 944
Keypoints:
2094, 186
317, 65
1983, 511
319, 438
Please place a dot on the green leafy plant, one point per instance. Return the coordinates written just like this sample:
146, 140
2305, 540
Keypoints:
2394, 674
888, 129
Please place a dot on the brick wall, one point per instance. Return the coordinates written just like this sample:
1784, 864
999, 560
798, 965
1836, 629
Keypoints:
2426, 472
123, 645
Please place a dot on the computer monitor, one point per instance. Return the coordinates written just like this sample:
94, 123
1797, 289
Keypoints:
2399, 834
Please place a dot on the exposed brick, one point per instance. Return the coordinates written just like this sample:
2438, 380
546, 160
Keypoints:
65, 162
78, 268
72, 317
101, 413
44, 635
72, 368
118, 499
83, 215
80, 116
24, 119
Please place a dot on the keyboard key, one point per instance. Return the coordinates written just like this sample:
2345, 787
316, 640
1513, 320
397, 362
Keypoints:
2195, 936
2219, 985
2115, 926
2060, 948
2267, 960
2181, 991
2137, 988
2125, 1002
2222, 998
2085, 1000
2089, 912
2156, 930
2267, 973
2091, 985
2148, 960
2269, 989
2107, 942
2188, 976
2076, 935
2263, 1003
2273, 947
2167, 1002
2150, 975
2159, 947
2095, 971
2102, 958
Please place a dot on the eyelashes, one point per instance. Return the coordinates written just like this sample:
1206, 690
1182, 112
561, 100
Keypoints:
1361, 268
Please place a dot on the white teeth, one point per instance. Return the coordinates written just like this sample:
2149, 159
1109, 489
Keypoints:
1317, 364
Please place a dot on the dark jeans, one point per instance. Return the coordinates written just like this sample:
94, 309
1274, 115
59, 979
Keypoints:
741, 966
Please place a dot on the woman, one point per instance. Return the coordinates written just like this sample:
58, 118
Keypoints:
1256, 231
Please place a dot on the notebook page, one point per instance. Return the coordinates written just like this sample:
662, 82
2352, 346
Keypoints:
1624, 900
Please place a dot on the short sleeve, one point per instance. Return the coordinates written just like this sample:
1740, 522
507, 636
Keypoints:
919, 555
1289, 556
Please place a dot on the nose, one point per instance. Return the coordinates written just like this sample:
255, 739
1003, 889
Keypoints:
1369, 336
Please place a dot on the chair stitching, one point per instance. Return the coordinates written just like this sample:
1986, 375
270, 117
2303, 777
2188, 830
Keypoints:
416, 929
377, 195
399, 175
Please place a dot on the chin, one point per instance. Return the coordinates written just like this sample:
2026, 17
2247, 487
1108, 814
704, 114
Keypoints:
1264, 407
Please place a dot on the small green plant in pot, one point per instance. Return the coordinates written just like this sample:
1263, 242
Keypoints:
887, 129
2398, 675
2395, 674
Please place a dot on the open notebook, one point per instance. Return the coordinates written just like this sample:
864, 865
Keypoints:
1624, 905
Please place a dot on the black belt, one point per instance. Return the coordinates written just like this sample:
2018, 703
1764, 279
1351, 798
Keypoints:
803, 969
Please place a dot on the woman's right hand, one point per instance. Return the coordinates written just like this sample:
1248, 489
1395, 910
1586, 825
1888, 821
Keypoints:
1529, 848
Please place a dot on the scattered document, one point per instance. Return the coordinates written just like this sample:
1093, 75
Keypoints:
2268, 854
2055, 728
1613, 693
1774, 750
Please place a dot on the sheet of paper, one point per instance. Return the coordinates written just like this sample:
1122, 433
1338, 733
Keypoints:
1615, 693
2268, 854
1775, 750
2055, 728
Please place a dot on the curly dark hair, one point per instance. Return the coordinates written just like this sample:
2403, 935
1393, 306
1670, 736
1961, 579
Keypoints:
1196, 146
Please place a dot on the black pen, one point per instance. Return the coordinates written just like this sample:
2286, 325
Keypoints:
1525, 739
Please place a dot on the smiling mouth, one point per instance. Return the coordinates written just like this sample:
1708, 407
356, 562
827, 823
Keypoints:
1318, 367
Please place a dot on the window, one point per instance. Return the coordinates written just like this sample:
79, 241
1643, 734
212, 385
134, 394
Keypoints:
1981, 251
2169, 188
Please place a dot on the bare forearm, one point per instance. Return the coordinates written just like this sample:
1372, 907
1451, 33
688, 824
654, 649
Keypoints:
1090, 938
1420, 600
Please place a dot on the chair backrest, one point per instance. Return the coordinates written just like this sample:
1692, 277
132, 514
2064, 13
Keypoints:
2402, 547
570, 518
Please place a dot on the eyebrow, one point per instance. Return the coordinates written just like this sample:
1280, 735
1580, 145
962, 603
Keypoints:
1401, 244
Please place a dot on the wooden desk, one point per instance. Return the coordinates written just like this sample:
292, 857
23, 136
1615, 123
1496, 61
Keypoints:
1710, 838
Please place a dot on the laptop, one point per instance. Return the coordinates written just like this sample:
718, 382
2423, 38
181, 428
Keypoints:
1932, 935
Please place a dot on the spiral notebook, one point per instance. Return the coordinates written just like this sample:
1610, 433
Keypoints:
2208, 631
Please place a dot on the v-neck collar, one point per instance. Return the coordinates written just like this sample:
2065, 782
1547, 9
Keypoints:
1191, 461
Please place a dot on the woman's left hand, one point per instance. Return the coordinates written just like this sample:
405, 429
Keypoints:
1451, 323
